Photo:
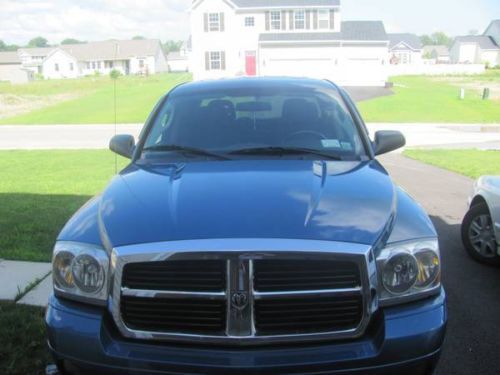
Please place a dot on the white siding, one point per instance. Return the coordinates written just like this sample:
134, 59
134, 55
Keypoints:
60, 65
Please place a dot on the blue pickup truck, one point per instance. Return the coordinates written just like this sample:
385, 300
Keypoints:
252, 232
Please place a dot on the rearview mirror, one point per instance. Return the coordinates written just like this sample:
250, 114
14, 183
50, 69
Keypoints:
387, 141
122, 144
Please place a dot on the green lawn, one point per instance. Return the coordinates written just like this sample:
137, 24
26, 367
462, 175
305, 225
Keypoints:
136, 96
23, 348
472, 163
40, 190
431, 99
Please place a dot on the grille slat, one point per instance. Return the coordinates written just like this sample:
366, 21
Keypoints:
291, 275
153, 314
176, 275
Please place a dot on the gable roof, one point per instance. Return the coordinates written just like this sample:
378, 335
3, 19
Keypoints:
284, 3
411, 40
441, 50
363, 30
42, 51
493, 30
112, 49
350, 31
483, 41
8, 58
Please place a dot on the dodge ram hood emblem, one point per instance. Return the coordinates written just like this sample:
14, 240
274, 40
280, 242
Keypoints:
239, 300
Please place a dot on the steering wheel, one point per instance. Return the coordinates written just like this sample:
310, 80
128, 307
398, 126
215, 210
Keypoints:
304, 132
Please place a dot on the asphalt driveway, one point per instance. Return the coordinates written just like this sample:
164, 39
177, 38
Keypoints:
471, 345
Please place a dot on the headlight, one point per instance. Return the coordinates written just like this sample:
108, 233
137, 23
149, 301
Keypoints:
408, 271
80, 272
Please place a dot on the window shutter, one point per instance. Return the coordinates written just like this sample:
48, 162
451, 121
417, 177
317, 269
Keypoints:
221, 20
268, 21
283, 20
308, 19
223, 60
315, 20
332, 19
292, 24
205, 22
207, 61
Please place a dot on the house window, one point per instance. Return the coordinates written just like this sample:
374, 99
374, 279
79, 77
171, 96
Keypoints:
249, 21
98, 65
276, 20
141, 64
323, 19
111, 64
93, 64
56, 67
215, 61
213, 22
300, 19
70, 66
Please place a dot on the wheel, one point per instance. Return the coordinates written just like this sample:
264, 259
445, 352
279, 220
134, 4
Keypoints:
478, 235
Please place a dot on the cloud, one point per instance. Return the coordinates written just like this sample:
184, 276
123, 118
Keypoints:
22, 20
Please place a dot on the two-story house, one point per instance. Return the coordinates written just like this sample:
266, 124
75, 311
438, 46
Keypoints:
286, 38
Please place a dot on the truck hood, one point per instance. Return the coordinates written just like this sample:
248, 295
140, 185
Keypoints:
320, 200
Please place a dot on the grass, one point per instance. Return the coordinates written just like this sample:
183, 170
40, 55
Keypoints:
471, 163
136, 96
23, 349
427, 99
40, 190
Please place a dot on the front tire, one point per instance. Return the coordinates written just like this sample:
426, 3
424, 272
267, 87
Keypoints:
478, 235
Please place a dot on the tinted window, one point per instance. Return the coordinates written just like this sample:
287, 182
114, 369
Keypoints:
228, 120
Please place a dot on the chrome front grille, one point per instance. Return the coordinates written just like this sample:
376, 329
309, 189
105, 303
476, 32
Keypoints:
244, 296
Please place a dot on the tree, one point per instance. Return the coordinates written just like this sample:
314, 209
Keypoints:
172, 45
38, 42
8, 47
441, 38
138, 37
426, 40
72, 41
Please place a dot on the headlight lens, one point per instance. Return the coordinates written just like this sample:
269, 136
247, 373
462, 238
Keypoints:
80, 272
408, 271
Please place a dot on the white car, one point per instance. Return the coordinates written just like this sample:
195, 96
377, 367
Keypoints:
481, 224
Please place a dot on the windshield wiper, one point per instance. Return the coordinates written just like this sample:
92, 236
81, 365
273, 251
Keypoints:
186, 150
274, 150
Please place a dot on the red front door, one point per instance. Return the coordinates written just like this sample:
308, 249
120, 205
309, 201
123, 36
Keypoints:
250, 64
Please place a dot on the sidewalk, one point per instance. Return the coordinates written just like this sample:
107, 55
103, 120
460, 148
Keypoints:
97, 136
27, 283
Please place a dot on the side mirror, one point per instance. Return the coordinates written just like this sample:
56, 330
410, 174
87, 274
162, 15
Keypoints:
387, 141
122, 144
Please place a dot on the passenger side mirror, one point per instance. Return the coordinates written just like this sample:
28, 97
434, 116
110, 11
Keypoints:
123, 144
387, 141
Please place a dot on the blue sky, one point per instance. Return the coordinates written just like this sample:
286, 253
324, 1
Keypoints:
21, 20
454, 17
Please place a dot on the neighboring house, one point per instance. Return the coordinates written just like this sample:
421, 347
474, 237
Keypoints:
11, 68
404, 49
76, 60
32, 58
178, 62
288, 38
439, 54
478, 49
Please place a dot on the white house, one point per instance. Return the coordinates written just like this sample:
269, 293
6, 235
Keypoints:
11, 68
478, 49
287, 38
439, 54
405, 49
143, 56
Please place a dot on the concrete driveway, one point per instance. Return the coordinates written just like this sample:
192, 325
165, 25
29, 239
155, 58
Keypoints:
473, 289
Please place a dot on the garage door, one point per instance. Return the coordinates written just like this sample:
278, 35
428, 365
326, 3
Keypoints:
299, 66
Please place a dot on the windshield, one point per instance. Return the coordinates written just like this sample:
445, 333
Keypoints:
268, 123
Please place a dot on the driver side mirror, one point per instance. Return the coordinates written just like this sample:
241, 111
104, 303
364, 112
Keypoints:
387, 141
123, 144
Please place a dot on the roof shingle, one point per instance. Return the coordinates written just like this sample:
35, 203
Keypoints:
484, 41
9, 58
411, 40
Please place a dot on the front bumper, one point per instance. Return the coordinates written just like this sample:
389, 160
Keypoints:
402, 338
